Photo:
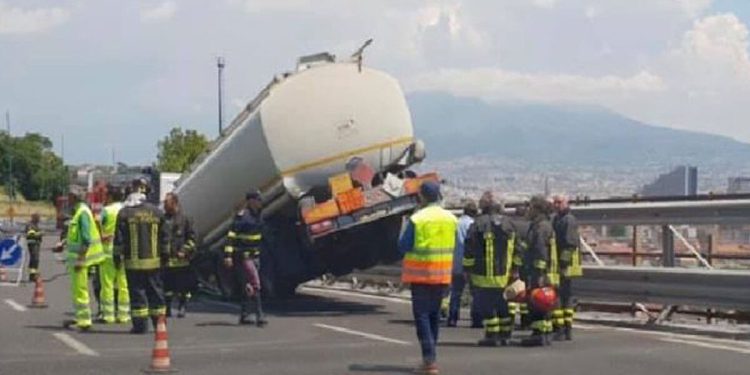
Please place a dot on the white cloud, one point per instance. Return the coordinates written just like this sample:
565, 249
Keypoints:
590, 12
694, 7
161, 12
716, 48
253, 6
239, 103
15, 20
499, 84
546, 4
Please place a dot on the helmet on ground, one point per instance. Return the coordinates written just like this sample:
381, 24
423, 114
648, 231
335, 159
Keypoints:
543, 299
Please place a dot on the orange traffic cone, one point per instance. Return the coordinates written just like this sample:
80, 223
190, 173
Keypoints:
38, 301
3, 275
160, 362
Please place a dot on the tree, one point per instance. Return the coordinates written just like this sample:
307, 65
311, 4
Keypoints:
179, 149
37, 172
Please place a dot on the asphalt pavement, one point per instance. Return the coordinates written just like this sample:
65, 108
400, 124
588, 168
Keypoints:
328, 332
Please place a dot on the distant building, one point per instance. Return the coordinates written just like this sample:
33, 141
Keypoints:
738, 185
682, 180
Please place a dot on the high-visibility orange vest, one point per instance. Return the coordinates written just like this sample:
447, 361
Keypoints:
431, 260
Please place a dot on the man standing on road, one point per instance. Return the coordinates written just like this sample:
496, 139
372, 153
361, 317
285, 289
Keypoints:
112, 278
178, 277
521, 257
568, 244
34, 243
84, 250
459, 279
427, 244
489, 259
543, 258
242, 252
141, 241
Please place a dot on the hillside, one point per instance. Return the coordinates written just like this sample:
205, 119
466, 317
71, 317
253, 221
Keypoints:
454, 127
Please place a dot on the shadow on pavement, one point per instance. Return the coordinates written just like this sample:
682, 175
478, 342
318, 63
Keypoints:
95, 330
390, 369
216, 324
299, 306
458, 344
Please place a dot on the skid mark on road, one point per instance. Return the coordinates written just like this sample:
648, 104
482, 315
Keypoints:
361, 334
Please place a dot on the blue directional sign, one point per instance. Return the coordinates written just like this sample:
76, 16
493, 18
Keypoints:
10, 252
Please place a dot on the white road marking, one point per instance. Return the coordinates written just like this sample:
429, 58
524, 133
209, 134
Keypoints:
362, 334
355, 294
707, 345
678, 336
585, 327
75, 344
15, 305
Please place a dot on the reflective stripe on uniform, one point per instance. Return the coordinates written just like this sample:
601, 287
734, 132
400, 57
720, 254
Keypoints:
158, 311
569, 315
139, 312
142, 264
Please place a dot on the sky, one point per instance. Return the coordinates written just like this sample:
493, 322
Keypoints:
112, 77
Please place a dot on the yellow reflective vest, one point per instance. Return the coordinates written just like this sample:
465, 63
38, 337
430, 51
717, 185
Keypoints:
83, 235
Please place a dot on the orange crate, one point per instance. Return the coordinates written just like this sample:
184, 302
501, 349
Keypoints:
350, 201
412, 185
430, 177
340, 183
320, 212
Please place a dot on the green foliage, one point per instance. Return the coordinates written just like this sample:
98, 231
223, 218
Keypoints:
37, 173
179, 149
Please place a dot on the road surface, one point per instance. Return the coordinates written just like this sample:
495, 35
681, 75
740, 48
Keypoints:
328, 332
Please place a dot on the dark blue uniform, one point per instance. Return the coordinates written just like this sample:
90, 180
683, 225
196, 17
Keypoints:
244, 241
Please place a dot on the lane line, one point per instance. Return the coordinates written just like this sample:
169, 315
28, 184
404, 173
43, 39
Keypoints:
707, 345
15, 305
586, 327
362, 334
354, 294
679, 336
78, 346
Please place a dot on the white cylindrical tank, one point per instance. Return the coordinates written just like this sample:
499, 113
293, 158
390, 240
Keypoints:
302, 129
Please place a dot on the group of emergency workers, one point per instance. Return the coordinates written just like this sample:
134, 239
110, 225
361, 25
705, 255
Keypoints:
139, 256
490, 250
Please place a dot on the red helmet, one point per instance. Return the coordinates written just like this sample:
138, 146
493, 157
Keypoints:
543, 299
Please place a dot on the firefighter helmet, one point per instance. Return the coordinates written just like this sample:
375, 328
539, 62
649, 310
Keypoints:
543, 299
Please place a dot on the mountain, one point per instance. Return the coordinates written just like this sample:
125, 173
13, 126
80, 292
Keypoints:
454, 127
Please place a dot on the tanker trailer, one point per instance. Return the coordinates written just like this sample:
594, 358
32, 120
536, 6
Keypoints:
320, 125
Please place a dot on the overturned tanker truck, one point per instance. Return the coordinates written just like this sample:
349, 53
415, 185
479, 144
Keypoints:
329, 146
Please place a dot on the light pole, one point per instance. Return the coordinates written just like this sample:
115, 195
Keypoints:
220, 67
11, 191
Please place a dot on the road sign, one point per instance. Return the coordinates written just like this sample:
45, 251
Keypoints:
10, 252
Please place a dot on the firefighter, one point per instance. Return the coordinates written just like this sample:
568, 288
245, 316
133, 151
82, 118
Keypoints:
459, 278
34, 243
521, 225
568, 244
112, 279
178, 277
242, 252
83, 250
427, 244
141, 241
488, 258
543, 257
